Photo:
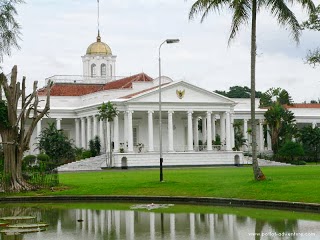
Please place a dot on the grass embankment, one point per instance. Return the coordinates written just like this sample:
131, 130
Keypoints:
295, 184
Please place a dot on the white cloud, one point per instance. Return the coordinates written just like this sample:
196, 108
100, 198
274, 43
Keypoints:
57, 32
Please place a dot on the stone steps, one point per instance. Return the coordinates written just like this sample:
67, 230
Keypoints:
263, 162
89, 164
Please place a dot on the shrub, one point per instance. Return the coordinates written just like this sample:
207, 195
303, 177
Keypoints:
291, 150
28, 161
86, 154
43, 157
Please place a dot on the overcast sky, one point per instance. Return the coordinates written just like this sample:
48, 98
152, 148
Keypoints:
56, 33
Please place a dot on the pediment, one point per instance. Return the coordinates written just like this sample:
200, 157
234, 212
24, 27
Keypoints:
180, 92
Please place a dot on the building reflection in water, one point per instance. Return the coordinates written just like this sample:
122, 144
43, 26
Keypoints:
115, 224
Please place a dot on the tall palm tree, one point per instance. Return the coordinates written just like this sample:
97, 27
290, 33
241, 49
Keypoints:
242, 10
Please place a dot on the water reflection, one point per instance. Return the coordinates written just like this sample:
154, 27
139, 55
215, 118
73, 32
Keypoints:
90, 224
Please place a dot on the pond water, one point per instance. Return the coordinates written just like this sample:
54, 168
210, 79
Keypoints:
100, 221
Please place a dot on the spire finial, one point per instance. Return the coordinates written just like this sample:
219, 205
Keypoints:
98, 20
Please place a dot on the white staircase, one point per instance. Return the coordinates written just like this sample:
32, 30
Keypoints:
88, 164
263, 162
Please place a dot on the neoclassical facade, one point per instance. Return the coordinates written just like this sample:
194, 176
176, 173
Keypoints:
135, 131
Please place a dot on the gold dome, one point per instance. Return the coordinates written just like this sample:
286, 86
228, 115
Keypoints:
99, 47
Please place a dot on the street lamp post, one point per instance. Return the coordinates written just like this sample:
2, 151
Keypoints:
168, 41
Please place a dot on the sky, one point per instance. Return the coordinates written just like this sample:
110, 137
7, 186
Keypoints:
56, 33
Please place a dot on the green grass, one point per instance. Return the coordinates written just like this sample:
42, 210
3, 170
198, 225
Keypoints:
296, 183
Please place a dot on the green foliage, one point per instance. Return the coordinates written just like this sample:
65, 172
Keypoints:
9, 27
291, 150
28, 161
275, 95
310, 139
4, 122
86, 154
78, 153
56, 145
107, 111
239, 139
238, 92
313, 23
43, 157
95, 146
218, 140
281, 124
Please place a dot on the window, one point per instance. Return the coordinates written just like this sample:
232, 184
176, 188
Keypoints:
93, 70
103, 70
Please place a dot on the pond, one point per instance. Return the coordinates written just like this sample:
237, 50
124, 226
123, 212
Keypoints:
100, 221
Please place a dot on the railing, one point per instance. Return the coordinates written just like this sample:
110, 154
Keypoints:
177, 148
81, 79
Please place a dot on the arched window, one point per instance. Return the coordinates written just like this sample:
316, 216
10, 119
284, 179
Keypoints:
103, 70
93, 70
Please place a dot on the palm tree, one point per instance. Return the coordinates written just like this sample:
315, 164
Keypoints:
107, 112
242, 10
9, 27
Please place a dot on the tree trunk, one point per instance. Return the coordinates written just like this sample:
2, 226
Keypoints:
258, 175
13, 179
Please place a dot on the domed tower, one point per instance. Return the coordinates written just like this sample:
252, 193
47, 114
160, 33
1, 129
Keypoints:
99, 61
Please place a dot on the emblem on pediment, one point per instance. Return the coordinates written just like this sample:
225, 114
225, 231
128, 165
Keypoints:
180, 93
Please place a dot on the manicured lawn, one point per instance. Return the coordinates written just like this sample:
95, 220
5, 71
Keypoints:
296, 183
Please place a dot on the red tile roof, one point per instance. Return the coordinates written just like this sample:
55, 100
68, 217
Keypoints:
304, 105
72, 89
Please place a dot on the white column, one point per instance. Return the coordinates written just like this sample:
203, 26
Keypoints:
170, 131
190, 137
108, 136
101, 135
196, 133
204, 130
83, 133
58, 123
269, 139
172, 226
245, 133
125, 132
261, 140
232, 131
228, 132
130, 132
209, 137
89, 137
116, 133
192, 226
152, 226
214, 127
223, 129
38, 134
77, 131
95, 126
150, 131
314, 124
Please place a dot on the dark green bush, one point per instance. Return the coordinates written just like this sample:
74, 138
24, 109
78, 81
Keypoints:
86, 154
43, 157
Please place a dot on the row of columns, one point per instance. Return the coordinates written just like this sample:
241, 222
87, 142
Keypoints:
86, 128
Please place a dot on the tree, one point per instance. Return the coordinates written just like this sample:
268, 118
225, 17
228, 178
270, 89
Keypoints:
310, 139
291, 150
313, 23
275, 95
241, 13
238, 92
107, 112
239, 139
9, 27
15, 132
56, 145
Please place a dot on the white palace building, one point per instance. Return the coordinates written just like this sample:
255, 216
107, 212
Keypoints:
135, 131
